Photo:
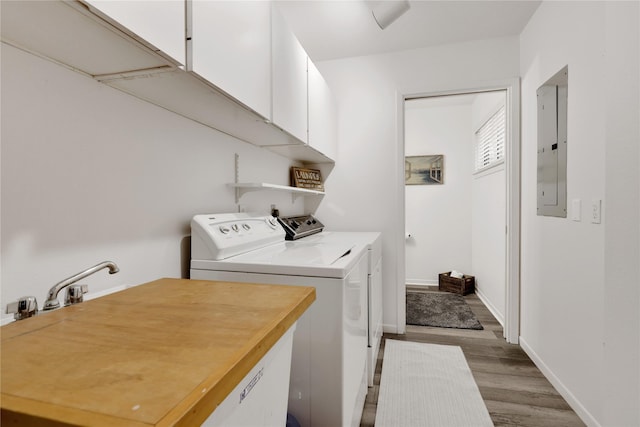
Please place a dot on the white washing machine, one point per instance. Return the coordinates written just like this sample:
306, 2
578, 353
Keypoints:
328, 382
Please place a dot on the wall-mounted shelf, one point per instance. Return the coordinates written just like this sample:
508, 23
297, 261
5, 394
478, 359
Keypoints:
245, 187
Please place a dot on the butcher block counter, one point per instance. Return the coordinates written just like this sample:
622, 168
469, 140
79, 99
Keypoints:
160, 354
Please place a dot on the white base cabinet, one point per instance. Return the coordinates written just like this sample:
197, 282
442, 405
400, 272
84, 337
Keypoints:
261, 397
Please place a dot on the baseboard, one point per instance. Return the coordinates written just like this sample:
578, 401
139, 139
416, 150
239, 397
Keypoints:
108, 291
575, 404
389, 329
413, 287
421, 282
499, 317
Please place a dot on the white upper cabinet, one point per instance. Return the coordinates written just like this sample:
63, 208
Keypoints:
71, 34
231, 49
158, 22
289, 80
323, 130
234, 66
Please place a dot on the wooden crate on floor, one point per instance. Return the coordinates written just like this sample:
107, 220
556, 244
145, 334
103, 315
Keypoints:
463, 286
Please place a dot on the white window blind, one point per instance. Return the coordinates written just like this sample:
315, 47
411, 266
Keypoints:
490, 141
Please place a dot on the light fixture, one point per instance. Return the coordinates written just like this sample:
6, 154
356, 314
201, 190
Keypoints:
385, 12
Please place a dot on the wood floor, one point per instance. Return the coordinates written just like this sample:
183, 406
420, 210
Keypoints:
514, 390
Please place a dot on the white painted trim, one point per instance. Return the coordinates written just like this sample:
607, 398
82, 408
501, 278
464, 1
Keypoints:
401, 293
94, 295
391, 329
575, 404
421, 282
490, 307
512, 302
489, 170
512, 165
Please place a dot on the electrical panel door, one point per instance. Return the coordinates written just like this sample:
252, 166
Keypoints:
552, 146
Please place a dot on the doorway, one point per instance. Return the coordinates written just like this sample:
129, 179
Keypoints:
457, 222
503, 234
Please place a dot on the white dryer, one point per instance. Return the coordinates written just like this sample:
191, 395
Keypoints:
328, 374
373, 242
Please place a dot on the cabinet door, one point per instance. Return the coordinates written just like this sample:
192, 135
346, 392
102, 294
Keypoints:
231, 48
158, 22
289, 80
322, 114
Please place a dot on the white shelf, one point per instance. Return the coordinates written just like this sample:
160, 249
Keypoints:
245, 187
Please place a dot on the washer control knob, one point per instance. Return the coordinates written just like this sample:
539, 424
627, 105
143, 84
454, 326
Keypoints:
272, 222
224, 229
246, 226
235, 228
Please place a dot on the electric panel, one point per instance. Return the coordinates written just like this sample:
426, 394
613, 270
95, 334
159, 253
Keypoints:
552, 145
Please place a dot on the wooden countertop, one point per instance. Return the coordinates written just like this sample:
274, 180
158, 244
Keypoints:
159, 354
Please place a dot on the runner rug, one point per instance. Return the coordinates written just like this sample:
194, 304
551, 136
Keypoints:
428, 385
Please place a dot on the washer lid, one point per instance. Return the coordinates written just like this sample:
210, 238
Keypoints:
371, 239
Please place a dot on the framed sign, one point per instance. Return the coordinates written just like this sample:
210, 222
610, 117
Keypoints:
306, 178
424, 170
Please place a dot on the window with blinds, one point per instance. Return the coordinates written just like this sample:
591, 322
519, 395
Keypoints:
490, 141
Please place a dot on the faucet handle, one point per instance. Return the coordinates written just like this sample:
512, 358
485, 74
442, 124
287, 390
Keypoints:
74, 294
23, 308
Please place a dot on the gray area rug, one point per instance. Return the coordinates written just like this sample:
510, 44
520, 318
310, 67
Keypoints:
428, 385
443, 310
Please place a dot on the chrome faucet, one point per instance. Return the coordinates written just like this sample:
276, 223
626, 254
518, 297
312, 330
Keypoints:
52, 297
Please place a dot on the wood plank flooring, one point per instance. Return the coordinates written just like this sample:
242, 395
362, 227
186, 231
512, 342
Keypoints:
514, 390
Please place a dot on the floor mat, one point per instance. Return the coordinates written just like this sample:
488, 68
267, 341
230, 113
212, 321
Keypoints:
428, 385
444, 310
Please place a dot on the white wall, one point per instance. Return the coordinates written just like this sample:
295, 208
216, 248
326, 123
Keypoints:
488, 221
362, 191
622, 220
579, 289
92, 174
488, 239
438, 217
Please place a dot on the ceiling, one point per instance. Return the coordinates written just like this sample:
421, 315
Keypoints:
332, 29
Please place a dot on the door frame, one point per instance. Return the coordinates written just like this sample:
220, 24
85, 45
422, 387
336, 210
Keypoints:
512, 168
